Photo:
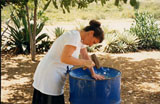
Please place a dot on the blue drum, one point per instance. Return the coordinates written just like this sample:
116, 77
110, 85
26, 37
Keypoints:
86, 90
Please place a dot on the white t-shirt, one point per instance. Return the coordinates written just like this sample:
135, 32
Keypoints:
50, 75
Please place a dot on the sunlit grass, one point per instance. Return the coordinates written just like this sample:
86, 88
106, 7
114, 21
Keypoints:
95, 11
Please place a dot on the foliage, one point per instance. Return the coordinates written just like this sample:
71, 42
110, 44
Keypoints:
131, 41
124, 42
58, 31
20, 37
94, 48
66, 4
117, 43
44, 45
17, 2
143, 34
109, 10
133, 3
18, 40
147, 31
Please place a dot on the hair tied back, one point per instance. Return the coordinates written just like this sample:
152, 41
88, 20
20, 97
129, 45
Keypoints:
95, 23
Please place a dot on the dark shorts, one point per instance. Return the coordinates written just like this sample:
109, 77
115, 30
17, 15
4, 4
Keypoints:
40, 98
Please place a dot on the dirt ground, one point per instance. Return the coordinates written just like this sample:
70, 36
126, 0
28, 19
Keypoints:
140, 80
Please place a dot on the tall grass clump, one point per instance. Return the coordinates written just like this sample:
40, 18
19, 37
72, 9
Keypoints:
130, 41
58, 31
120, 43
117, 43
147, 30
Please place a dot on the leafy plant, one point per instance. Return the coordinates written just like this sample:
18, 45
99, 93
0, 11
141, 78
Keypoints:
113, 44
44, 45
18, 40
116, 42
147, 31
130, 40
95, 48
58, 31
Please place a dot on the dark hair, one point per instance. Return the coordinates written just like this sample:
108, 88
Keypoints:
95, 26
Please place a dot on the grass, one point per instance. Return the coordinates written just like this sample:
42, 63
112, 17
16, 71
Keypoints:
152, 7
96, 11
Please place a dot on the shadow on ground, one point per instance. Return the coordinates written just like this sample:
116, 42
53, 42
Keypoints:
17, 74
139, 83
140, 80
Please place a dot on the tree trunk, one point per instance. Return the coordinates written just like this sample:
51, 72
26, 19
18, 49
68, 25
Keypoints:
29, 29
34, 31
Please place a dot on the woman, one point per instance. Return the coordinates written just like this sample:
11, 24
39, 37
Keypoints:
50, 75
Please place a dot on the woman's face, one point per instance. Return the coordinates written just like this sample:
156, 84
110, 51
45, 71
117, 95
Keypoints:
90, 39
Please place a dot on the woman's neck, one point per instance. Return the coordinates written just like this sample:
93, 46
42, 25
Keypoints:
82, 34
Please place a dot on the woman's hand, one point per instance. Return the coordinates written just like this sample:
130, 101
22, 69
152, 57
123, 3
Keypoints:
89, 63
97, 76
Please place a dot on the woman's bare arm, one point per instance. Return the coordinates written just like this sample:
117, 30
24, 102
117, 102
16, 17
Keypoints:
67, 57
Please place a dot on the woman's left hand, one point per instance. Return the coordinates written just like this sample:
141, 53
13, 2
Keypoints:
98, 77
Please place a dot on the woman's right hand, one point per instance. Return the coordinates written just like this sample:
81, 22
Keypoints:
89, 63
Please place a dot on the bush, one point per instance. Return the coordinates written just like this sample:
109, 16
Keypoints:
43, 46
113, 44
124, 42
58, 32
147, 31
18, 40
95, 47
131, 41
117, 43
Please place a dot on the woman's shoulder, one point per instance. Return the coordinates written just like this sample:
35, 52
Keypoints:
73, 33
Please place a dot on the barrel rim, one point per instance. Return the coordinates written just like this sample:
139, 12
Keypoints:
94, 79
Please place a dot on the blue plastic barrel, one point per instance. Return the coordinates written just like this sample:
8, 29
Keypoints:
86, 90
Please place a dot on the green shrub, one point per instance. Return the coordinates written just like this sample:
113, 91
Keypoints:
131, 41
58, 31
95, 48
113, 44
147, 31
117, 43
44, 45
18, 40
